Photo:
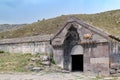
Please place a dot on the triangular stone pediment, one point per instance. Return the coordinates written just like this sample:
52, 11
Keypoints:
82, 29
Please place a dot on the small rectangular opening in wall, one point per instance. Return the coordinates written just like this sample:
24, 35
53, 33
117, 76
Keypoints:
77, 63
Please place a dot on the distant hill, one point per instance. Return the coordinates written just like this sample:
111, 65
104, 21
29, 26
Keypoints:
107, 21
4, 27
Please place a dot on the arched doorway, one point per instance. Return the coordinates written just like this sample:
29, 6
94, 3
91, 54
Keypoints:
72, 39
77, 58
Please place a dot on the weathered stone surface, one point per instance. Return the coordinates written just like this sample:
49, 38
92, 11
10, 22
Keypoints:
36, 69
99, 60
77, 50
35, 44
100, 69
112, 71
46, 63
100, 50
115, 66
35, 59
27, 39
118, 71
44, 58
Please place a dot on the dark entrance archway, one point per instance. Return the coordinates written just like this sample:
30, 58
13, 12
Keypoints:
77, 63
72, 39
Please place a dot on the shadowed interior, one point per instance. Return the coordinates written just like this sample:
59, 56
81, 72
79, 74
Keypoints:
77, 63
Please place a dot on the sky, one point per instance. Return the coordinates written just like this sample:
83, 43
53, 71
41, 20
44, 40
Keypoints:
28, 11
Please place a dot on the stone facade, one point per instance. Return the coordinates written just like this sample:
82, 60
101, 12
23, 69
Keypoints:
78, 46
91, 46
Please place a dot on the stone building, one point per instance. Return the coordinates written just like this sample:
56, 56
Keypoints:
78, 46
34, 44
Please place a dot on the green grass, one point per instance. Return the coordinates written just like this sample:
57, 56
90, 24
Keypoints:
14, 62
107, 21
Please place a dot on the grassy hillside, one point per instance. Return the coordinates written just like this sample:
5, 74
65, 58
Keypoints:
108, 21
4, 27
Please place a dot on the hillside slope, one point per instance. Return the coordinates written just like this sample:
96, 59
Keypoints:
108, 21
4, 27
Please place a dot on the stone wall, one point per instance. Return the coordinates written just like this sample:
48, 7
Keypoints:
58, 56
35, 44
115, 59
96, 59
31, 47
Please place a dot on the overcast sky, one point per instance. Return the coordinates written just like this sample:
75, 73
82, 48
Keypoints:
28, 11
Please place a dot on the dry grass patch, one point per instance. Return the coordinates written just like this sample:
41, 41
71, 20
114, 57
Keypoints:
14, 62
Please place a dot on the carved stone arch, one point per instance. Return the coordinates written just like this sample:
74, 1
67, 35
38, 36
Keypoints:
71, 39
77, 26
77, 50
59, 39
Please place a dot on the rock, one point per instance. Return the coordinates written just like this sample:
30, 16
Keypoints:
28, 67
112, 71
36, 69
118, 71
46, 63
45, 58
34, 59
115, 66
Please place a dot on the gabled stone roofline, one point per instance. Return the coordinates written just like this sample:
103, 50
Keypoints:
38, 38
88, 26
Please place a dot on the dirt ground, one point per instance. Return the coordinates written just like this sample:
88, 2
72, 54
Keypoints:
51, 76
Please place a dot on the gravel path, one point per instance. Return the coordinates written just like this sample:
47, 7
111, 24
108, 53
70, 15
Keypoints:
49, 76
